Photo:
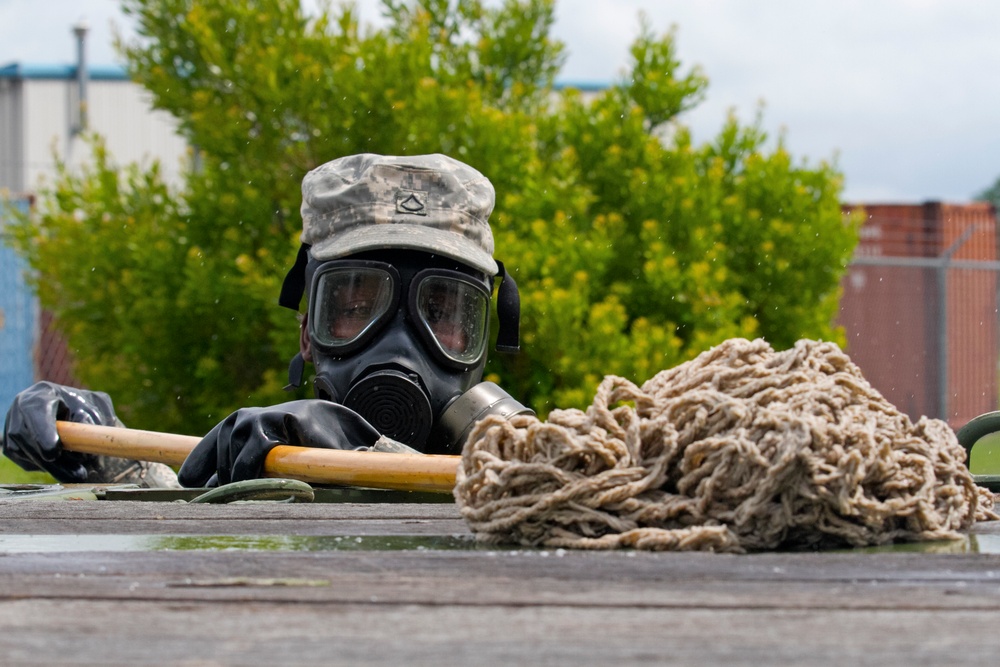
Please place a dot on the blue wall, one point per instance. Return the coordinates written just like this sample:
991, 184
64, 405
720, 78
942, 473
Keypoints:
18, 310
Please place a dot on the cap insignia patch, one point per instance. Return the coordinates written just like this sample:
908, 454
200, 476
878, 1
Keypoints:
411, 202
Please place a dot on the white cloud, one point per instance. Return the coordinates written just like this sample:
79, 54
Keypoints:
905, 91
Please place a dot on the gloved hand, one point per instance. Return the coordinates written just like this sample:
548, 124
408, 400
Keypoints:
30, 438
235, 449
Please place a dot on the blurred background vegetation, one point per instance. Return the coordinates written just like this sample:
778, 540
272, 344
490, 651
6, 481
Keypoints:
634, 248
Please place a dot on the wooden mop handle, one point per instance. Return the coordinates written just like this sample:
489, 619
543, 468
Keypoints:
377, 470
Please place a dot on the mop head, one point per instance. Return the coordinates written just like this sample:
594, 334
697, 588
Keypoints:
740, 449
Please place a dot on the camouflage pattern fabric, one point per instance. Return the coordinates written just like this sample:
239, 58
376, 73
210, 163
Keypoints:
432, 203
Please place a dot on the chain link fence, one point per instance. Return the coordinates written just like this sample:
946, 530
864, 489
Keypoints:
18, 313
920, 310
31, 347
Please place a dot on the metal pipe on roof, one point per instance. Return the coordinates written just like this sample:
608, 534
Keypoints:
80, 30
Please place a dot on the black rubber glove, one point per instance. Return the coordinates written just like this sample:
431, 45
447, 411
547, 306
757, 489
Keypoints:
235, 449
30, 438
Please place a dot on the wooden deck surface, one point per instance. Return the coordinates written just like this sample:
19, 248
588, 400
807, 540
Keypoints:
70, 602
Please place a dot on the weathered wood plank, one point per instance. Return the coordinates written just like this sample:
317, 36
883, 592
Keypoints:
42, 517
152, 518
475, 606
516, 577
236, 526
262, 633
102, 511
279, 584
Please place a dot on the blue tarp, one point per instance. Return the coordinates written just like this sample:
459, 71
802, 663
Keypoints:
18, 317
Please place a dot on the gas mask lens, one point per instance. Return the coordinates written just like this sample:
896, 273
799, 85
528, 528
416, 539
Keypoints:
350, 302
355, 300
453, 312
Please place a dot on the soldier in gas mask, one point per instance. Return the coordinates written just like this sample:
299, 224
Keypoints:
396, 259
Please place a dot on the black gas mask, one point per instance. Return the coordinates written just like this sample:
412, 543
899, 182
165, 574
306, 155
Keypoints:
400, 337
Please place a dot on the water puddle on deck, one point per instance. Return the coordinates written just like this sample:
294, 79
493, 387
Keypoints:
970, 544
76, 543
11, 544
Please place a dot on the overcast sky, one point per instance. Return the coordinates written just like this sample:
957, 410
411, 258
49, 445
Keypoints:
903, 94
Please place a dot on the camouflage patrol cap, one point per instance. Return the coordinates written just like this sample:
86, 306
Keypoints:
421, 202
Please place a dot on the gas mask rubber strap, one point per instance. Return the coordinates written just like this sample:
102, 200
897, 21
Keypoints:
292, 289
508, 312
296, 369
294, 285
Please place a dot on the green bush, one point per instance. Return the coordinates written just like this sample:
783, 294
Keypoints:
634, 248
11, 473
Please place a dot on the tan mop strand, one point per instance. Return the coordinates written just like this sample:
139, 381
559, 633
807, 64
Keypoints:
742, 448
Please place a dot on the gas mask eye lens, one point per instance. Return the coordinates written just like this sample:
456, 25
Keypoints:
454, 313
350, 302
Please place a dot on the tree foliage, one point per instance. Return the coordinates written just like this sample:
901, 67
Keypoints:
634, 248
991, 195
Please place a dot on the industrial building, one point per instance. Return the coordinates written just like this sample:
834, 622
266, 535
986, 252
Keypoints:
45, 113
